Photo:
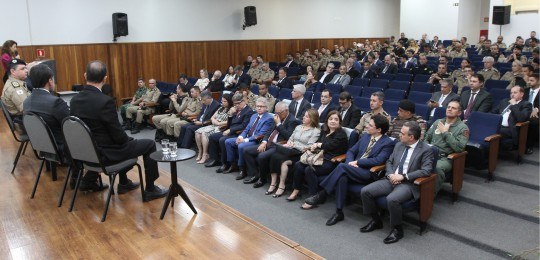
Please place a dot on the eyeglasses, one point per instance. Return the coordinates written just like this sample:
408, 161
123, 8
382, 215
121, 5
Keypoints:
258, 106
237, 103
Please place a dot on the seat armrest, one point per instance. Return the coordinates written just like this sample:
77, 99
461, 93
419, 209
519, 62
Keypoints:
494, 142
426, 185
493, 137
520, 124
339, 158
124, 99
377, 168
282, 142
454, 156
192, 118
259, 138
458, 169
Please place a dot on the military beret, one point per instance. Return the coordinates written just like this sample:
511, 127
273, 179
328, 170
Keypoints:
407, 105
17, 62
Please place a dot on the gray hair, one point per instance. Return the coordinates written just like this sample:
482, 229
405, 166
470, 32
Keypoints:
206, 94
263, 101
282, 105
237, 97
448, 81
488, 59
414, 129
300, 88
379, 94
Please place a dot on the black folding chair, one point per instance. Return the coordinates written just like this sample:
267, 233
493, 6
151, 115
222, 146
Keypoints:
82, 148
19, 137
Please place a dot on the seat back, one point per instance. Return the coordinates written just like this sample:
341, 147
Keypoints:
421, 78
379, 83
482, 125
496, 84
79, 140
397, 84
9, 120
334, 88
422, 110
394, 94
285, 93
41, 136
273, 90
367, 91
391, 107
386, 76
422, 87
355, 91
403, 77
498, 94
439, 113
419, 97
362, 103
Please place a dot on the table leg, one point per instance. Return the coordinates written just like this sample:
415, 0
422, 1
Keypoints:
184, 196
167, 200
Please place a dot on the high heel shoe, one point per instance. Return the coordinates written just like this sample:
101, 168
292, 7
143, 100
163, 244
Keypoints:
271, 190
289, 199
199, 157
203, 159
276, 195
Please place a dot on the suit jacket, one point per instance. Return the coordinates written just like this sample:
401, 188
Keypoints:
293, 64
353, 73
328, 77
519, 112
98, 111
263, 127
370, 74
527, 94
207, 112
52, 109
482, 101
420, 164
352, 117
380, 152
285, 129
334, 144
392, 69
304, 106
324, 115
215, 86
451, 97
238, 122
343, 81
285, 83
244, 78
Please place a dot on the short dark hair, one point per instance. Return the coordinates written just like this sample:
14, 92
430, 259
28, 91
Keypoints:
529, 67
414, 129
458, 104
206, 94
345, 96
327, 90
182, 76
284, 69
381, 122
40, 75
378, 94
535, 75
480, 77
96, 71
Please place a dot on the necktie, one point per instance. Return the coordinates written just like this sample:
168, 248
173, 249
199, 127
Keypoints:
441, 100
385, 69
363, 75
337, 80
403, 158
203, 113
469, 106
293, 107
252, 129
296, 108
368, 150
321, 109
531, 95
272, 136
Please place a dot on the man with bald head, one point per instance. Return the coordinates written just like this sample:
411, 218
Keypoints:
142, 106
513, 110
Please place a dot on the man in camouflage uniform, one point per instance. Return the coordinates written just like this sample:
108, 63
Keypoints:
406, 110
145, 105
450, 135
191, 107
463, 79
489, 72
160, 121
376, 105
458, 52
141, 90
15, 91
254, 70
263, 92
265, 74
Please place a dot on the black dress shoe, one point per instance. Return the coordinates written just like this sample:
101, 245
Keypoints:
92, 186
259, 184
129, 186
395, 235
337, 217
223, 169
241, 175
212, 163
316, 199
156, 193
529, 151
251, 180
372, 225
233, 168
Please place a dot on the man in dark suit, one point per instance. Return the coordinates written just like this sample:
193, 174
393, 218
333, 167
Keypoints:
351, 71
373, 149
283, 81
239, 117
324, 107
350, 114
327, 75
513, 110
531, 95
98, 111
477, 98
187, 132
42, 102
366, 72
257, 158
389, 66
239, 78
289, 61
410, 160
342, 78
299, 105
443, 97
260, 124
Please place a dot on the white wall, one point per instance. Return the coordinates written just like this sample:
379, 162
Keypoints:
520, 25
39, 22
469, 19
434, 17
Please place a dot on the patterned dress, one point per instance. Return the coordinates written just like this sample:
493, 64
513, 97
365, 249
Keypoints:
221, 116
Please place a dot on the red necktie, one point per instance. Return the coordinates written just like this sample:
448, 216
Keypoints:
469, 106
252, 129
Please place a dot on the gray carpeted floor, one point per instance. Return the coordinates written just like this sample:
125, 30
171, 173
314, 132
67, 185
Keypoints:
492, 220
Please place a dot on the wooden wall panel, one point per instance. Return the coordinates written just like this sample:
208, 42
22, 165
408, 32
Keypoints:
164, 61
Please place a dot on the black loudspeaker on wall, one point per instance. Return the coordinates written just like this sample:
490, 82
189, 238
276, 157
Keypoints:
250, 14
501, 15
120, 24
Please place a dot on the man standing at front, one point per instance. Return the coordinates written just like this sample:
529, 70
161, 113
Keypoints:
410, 160
98, 111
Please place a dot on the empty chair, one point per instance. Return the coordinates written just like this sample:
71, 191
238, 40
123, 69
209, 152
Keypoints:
401, 85
82, 148
285, 93
484, 140
422, 87
394, 94
367, 91
421, 78
403, 71
355, 91
419, 97
334, 88
362, 103
386, 76
360, 82
403, 77
446, 43
496, 84
379, 83
391, 107
19, 137
498, 94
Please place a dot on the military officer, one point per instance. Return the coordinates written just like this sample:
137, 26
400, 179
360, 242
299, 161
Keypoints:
406, 109
141, 90
376, 105
143, 106
161, 121
450, 135
254, 70
458, 52
15, 91
263, 92
489, 72
190, 108
265, 74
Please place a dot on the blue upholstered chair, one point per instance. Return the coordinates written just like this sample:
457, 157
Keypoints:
394, 94
355, 91
484, 140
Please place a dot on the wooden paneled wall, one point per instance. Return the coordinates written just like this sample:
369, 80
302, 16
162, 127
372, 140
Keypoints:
164, 61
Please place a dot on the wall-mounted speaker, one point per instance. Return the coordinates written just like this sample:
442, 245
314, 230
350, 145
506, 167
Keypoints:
250, 15
501, 15
120, 24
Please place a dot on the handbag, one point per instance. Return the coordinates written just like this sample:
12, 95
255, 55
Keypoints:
312, 158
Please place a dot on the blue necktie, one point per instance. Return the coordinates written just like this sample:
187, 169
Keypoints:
402, 161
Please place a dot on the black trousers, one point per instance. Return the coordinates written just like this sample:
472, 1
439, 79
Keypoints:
304, 172
258, 164
532, 135
216, 146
